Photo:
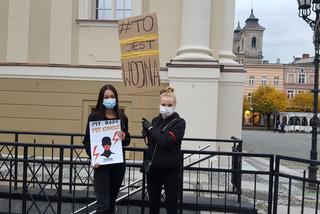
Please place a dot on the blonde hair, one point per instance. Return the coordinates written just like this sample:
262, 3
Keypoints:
168, 92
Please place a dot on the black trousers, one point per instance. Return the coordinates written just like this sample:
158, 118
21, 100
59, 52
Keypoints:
107, 183
170, 178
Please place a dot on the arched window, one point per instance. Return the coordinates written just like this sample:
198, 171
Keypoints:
242, 44
304, 121
291, 121
284, 119
253, 42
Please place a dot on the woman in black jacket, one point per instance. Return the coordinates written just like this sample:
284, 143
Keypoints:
107, 178
163, 137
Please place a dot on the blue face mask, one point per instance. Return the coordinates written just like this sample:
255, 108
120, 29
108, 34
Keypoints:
109, 103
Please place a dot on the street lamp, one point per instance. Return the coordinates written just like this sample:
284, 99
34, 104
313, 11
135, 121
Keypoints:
305, 9
251, 118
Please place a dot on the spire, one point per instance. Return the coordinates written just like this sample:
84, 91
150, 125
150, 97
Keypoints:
252, 15
253, 22
238, 29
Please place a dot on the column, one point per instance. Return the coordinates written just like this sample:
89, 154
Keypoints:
18, 31
226, 56
197, 100
60, 32
230, 104
195, 31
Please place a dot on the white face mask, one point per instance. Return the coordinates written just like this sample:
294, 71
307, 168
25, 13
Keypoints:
166, 111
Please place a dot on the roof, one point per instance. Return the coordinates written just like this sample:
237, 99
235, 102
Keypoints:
238, 29
308, 60
253, 22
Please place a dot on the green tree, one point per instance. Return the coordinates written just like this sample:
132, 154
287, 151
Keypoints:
267, 99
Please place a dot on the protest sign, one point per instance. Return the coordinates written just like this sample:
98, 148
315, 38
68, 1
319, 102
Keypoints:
106, 147
140, 53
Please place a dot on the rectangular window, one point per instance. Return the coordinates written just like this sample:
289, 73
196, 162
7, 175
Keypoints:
249, 97
123, 9
251, 80
275, 81
290, 78
311, 79
113, 9
290, 94
104, 9
302, 78
301, 91
264, 80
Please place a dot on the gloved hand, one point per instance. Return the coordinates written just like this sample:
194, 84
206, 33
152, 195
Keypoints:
146, 125
144, 133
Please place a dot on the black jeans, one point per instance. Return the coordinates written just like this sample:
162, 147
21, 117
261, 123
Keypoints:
170, 178
107, 183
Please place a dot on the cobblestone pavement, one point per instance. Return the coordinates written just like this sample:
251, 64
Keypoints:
289, 144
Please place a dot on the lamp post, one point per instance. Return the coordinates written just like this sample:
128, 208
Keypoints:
305, 9
251, 115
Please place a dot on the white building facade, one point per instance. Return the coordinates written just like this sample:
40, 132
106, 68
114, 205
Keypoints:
58, 53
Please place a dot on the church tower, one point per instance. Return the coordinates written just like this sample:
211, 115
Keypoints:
247, 42
236, 41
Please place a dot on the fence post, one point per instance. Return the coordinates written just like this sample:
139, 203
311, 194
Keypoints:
71, 165
60, 180
276, 185
236, 175
181, 184
10, 185
240, 145
16, 139
24, 179
270, 194
143, 197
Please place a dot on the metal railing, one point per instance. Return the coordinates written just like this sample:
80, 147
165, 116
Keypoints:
57, 178
300, 189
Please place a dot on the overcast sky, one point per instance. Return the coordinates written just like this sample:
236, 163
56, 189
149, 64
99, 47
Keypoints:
286, 34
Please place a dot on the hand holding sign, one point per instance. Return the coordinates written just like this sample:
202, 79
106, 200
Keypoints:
121, 135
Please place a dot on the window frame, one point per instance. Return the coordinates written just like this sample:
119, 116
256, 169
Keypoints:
301, 80
290, 95
242, 44
311, 78
301, 91
254, 42
114, 9
289, 75
249, 97
251, 80
276, 81
264, 80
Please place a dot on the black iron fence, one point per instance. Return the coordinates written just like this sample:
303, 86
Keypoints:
294, 192
57, 178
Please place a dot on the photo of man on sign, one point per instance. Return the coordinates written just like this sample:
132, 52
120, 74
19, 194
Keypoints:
106, 147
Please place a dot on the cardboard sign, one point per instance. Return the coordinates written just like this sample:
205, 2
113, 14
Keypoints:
106, 147
140, 53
